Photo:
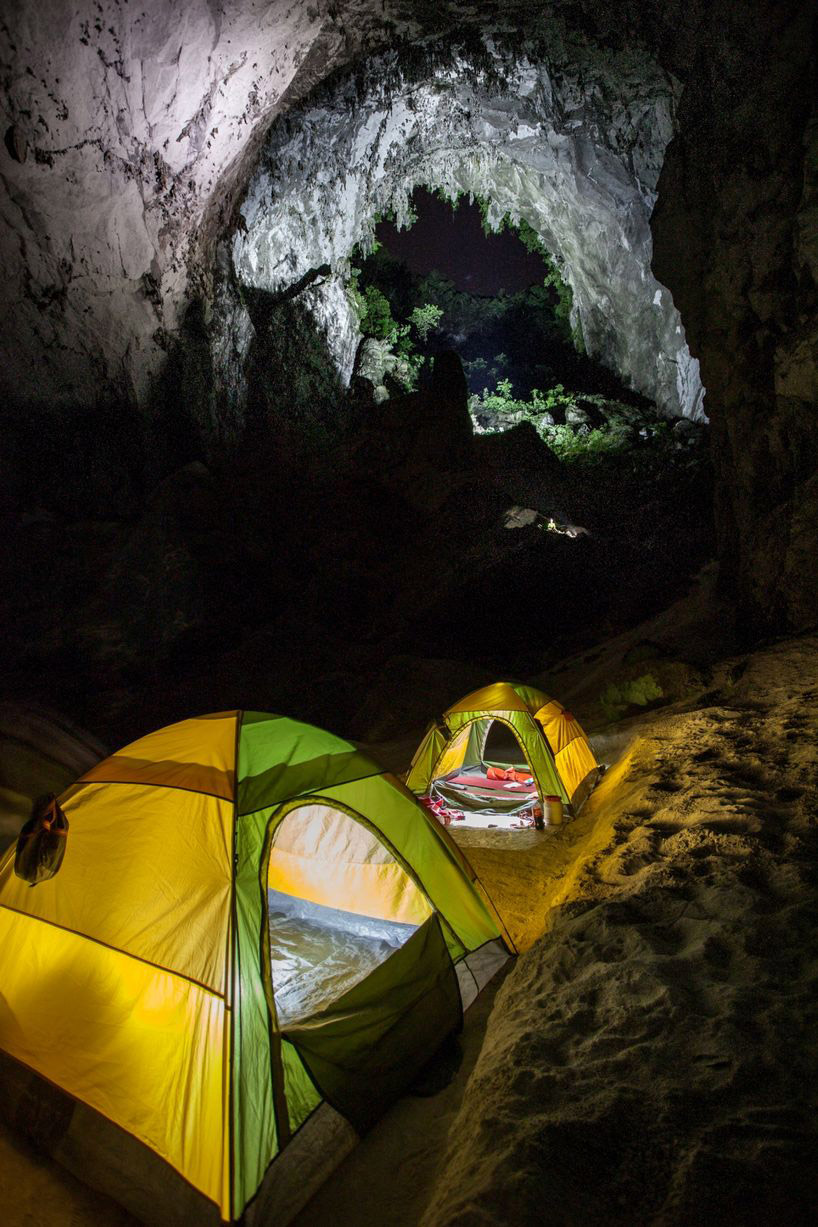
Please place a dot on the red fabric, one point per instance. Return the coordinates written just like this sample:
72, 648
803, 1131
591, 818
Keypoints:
445, 814
507, 773
489, 785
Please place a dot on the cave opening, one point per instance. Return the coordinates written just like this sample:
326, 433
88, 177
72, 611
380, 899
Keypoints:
449, 280
553, 494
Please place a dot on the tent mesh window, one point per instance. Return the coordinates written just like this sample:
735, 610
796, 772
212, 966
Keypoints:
339, 905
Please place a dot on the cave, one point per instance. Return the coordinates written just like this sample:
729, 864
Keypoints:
257, 458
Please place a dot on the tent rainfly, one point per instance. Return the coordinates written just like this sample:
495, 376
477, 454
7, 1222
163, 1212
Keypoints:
254, 941
454, 762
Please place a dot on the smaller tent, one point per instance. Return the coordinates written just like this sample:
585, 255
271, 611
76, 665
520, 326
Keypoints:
253, 942
497, 755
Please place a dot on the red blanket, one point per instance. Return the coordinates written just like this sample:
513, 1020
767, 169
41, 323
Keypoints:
508, 773
492, 783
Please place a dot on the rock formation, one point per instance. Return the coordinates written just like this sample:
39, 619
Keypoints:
146, 192
571, 144
736, 235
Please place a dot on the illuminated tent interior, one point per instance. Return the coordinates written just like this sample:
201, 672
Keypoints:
499, 755
254, 922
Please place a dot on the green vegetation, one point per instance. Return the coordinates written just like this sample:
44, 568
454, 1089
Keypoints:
425, 319
418, 314
522, 360
580, 429
375, 319
538, 408
617, 699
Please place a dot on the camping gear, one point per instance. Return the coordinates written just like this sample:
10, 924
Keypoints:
41, 843
40, 752
539, 740
256, 940
552, 811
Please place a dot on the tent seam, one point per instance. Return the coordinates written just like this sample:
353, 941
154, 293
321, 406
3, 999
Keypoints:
128, 954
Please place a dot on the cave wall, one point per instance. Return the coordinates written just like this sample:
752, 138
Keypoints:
572, 145
131, 134
127, 133
736, 239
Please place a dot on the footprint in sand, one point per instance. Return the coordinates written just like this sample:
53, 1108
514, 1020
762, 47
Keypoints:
789, 795
666, 785
731, 826
717, 953
745, 775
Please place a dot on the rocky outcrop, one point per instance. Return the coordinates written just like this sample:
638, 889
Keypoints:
128, 133
129, 139
571, 143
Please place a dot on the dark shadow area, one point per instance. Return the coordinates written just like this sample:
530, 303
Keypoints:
450, 239
283, 543
288, 573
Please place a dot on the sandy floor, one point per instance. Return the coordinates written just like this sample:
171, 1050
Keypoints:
653, 1059
36, 1192
386, 1180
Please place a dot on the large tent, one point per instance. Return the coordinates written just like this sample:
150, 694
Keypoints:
252, 921
499, 752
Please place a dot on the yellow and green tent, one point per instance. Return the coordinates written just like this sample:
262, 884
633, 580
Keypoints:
251, 921
550, 741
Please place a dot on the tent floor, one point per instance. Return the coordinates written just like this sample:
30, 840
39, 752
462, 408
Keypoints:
475, 801
318, 953
487, 821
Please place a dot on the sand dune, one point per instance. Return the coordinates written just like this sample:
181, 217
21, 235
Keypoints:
652, 1059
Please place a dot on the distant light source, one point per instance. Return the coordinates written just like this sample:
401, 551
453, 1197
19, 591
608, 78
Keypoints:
524, 517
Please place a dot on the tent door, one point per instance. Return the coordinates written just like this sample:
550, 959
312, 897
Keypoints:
364, 1049
501, 747
363, 982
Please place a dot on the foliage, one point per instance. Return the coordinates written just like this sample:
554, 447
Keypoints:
616, 429
376, 320
425, 319
529, 332
529, 238
639, 692
508, 410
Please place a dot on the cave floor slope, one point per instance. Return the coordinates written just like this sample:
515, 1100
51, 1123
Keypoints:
651, 1058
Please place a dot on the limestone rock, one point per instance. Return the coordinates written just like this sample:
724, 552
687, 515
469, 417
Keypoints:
572, 148
147, 181
746, 287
